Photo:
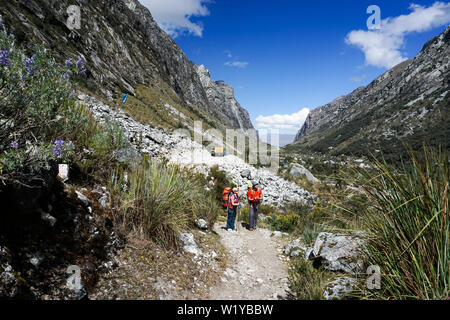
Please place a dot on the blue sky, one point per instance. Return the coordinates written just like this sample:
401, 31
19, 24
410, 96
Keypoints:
284, 56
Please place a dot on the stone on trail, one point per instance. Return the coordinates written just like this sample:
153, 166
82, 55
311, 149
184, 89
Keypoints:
294, 246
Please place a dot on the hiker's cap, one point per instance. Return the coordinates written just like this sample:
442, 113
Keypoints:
250, 185
254, 183
235, 189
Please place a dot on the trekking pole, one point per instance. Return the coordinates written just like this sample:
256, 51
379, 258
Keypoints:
237, 217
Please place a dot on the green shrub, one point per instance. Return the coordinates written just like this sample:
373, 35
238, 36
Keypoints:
265, 208
284, 222
244, 214
408, 221
37, 103
311, 231
159, 201
305, 281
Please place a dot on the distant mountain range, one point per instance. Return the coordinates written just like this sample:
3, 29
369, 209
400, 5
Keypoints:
409, 103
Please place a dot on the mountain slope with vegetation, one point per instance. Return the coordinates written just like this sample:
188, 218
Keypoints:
89, 183
124, 51
409, 103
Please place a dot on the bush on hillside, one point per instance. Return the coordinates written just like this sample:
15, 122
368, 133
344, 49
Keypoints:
159, 201
36, 99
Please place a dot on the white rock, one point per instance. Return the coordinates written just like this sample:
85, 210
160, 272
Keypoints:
338, 252
48, 218
189, 243
104, 201
63, 172
202, 224
82, 197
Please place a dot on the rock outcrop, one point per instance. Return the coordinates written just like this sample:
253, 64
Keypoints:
298, 170
410, 102
337, 252
221, 97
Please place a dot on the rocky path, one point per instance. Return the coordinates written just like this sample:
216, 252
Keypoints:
257, 269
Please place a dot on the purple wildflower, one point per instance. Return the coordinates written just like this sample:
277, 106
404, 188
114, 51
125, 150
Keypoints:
14, 145
66, 76
58, 147
81, 67
80, 63
4, 58
29, 65
24, 78
29, 62
69, 62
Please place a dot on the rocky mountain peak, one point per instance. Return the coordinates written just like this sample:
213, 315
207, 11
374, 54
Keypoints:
221, 96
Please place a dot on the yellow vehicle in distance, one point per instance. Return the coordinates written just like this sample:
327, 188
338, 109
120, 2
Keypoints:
218, 152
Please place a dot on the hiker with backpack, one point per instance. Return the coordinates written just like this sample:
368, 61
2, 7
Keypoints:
233, 203
255, 198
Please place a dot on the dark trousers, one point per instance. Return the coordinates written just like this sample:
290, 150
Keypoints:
253, 216
231, 218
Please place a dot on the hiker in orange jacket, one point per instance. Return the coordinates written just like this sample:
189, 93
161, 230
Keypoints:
255, 198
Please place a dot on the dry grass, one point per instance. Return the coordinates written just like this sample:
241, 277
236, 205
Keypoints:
147, 271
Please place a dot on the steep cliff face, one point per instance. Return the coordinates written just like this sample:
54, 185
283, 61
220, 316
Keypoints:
409, 103
221, 96
122, 45
326, 114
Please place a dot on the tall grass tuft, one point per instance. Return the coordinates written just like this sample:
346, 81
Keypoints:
409, 225
159, 201
305, 281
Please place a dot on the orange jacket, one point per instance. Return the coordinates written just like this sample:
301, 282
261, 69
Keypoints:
254, 196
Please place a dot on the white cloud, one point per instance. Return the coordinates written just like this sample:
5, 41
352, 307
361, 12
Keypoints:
283, 121
382, 47
174, 16
237, 64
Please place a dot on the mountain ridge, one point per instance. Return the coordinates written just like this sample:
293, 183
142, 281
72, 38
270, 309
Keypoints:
408, 103
122, 46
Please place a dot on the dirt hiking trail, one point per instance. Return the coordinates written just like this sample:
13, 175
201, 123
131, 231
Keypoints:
257, 270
